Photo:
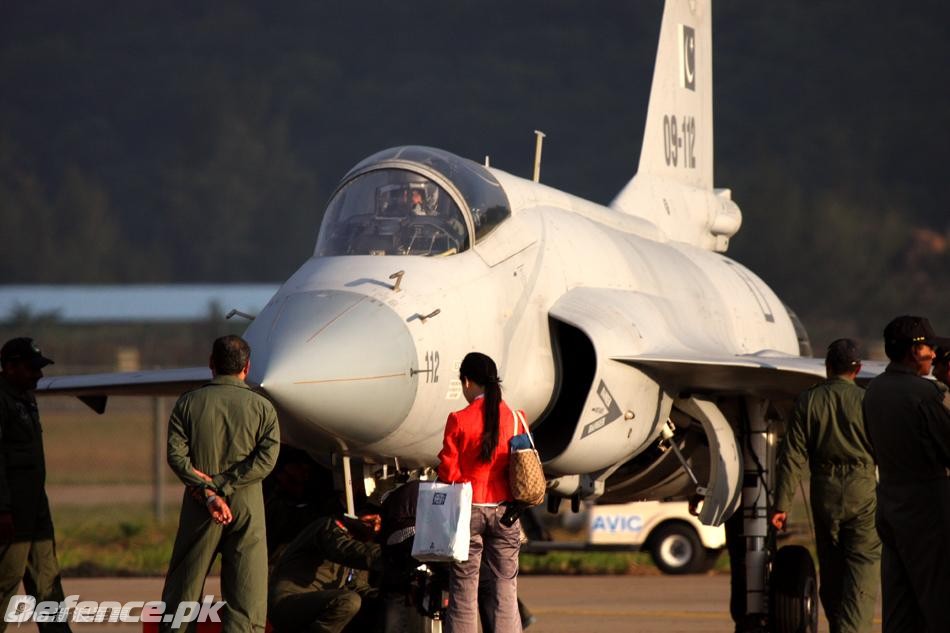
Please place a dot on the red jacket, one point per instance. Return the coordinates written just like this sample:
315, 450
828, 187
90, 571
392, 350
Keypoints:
459, 461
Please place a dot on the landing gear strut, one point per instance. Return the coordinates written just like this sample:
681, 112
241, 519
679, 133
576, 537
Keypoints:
780, 587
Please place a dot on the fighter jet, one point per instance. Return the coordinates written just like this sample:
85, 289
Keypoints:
650, 364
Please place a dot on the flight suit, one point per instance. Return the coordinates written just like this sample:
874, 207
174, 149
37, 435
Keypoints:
229, 432
31, 557
908, 422
826, 434
317, 584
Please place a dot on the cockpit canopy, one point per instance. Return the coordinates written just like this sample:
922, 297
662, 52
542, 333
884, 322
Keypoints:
412, 201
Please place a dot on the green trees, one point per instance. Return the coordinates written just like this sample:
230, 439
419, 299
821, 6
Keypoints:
151, 141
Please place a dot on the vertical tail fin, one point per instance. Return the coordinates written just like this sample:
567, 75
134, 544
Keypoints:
678, 138
673, 187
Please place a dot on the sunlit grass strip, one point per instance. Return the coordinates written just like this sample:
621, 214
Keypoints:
113, 541
588, 563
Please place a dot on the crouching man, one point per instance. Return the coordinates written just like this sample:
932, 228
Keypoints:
321, 580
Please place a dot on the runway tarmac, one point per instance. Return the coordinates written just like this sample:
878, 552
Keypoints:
562, 604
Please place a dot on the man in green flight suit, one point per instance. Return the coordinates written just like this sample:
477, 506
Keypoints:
27, 548
826, 435
223, 439
320, 580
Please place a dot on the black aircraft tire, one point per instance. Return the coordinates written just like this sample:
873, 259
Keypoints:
794, 592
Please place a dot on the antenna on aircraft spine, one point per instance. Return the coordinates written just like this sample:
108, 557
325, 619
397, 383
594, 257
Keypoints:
539, 141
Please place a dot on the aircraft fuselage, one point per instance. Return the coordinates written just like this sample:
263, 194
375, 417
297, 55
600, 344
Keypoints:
373, 370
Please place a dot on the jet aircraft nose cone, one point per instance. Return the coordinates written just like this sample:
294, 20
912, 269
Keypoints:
337, 360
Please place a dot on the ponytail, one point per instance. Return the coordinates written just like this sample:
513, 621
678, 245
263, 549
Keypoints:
481, 370
490, 421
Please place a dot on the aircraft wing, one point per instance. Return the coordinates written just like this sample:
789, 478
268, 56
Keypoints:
94, 389
771, 374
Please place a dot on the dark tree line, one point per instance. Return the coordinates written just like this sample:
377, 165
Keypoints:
156, 141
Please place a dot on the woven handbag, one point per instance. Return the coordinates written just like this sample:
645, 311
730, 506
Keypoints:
525, 474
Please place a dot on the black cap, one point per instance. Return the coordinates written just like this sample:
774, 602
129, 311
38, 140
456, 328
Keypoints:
910, 329
842, 353
23, 348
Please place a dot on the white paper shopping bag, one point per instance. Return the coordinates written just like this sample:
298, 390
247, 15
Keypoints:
443, 522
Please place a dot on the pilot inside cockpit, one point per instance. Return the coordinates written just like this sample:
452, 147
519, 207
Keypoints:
407, 216
423, 200
416, 199
409, 199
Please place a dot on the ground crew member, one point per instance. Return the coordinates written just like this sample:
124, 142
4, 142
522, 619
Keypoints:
27, 548
398, 527
909, 427
826, 436
296, 493
320, 580
222, 441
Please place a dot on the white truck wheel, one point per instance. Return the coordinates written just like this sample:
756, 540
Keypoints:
676, 549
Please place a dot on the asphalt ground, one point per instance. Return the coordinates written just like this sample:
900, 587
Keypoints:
562, 604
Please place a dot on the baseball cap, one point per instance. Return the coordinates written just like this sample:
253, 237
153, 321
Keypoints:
23, 348
910, 329
843, 352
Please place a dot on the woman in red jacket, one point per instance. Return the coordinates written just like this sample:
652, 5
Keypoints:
475, 449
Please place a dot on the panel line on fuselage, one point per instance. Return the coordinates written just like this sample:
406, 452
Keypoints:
334, 319
754, 289
354, 379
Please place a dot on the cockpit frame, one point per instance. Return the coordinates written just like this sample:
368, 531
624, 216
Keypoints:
422, 170
468, 187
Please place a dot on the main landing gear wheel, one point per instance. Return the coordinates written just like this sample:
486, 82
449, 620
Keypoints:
794, 602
